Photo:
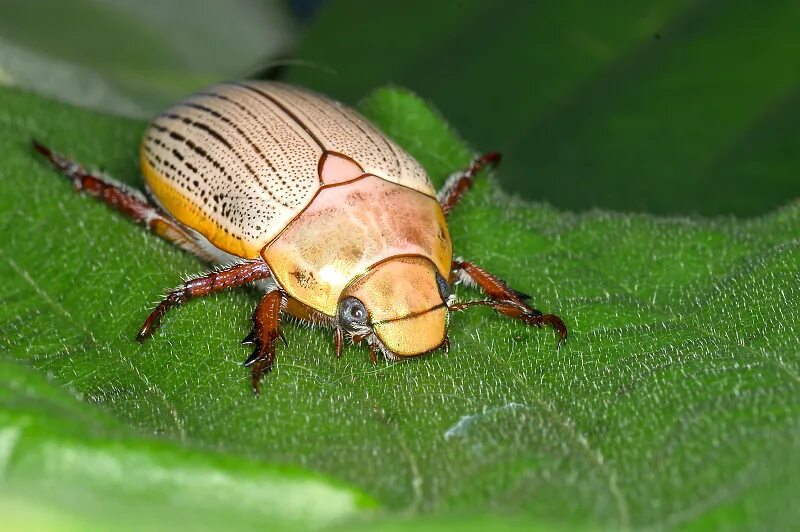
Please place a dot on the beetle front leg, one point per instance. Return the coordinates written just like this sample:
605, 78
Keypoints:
238, 274
265, 334
460, 182
504, 299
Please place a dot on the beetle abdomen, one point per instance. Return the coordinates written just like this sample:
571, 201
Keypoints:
238, 162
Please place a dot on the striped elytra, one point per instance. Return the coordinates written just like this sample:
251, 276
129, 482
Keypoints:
267, 170
238, 161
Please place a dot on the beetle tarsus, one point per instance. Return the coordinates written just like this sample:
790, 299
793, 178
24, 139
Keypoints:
41, 148
550, 320
61, 163
505, 299
151, 324
520, 311
531, 316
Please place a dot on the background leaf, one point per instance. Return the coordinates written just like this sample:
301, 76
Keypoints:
136, 58
64, 465
664, 106
674, 402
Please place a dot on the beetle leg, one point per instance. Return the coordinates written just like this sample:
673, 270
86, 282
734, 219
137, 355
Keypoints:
492, 285
265, 334
338, 340
232, 276
373, 356
504, 299
460, 182
124, 199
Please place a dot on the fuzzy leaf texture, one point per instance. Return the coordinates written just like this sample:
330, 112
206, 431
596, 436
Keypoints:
674, 402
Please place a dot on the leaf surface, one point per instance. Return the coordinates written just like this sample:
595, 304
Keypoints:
673, 403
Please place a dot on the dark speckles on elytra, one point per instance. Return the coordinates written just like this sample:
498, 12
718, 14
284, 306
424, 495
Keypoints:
259, 144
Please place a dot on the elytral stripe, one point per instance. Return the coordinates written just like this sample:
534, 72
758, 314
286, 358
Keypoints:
217, 136
240, 131
286, 111
371, 134
251, 117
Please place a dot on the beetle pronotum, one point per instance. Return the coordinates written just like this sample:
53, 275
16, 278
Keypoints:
288, 189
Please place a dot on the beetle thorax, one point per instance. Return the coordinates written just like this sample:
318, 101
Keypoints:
346, 230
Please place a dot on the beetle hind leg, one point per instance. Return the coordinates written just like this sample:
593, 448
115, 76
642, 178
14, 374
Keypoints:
124, 199
504, 299
265, 334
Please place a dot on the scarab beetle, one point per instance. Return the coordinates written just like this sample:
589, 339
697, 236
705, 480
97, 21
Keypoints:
283, 187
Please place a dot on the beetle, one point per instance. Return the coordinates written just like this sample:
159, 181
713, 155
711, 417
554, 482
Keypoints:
283, 187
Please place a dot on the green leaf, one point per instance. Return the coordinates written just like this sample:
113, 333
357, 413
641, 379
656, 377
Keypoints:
673, 403
121, 56
662, 106
64, 463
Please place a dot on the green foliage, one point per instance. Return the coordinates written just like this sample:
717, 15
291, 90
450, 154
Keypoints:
133, 58
673, 403
66, 464
662, 106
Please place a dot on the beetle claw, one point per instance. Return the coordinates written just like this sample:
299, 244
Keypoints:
255, 355
250, 338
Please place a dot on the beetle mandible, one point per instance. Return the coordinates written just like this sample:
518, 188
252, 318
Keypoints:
283, 187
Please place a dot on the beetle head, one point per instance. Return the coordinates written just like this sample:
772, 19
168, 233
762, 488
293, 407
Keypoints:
400, 304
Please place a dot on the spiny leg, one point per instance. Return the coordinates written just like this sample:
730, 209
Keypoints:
124, 199
504, 299
460, 182
493, 286
266, 331
238, 274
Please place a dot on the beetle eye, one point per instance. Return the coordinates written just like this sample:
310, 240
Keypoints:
444, 287
352, 312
